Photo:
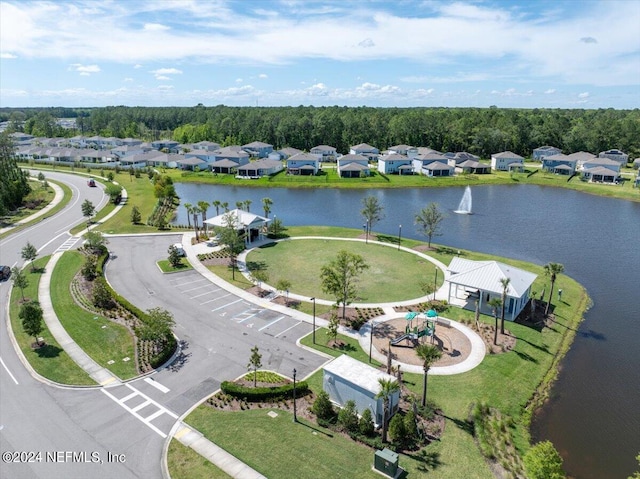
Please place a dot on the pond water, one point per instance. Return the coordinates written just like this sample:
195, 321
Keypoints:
593, 417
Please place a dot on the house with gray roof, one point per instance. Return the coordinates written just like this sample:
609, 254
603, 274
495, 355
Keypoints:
259, 168
422, 160
601, 170
393, 163
469, 281
615, 155
507, 161
258, 149
287, 152
559, 164
472, 166
543, 152
192, 163
325, 153
406, 150
368, 151
353, 166
303, 164
581, 157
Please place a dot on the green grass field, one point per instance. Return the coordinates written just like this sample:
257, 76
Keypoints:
50, 361
185, 463
165, 266
392, 275
100, 338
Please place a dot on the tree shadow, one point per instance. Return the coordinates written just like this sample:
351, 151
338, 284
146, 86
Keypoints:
181, 359
466, 426
48, 351
526, 357
346, 347
428, 460
387, 239
544, 349
305, 424
256, 265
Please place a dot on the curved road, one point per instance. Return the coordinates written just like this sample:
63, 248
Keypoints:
67, 425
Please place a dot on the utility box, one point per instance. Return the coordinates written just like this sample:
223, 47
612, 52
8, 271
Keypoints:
386, 462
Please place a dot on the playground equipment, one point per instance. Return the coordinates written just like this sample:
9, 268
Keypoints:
413, 333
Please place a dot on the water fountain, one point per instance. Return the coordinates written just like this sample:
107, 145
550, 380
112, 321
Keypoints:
464, 208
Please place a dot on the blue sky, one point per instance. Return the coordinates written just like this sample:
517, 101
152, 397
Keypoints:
544, 54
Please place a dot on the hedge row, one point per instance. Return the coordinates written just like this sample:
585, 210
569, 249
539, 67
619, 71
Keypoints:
264, 393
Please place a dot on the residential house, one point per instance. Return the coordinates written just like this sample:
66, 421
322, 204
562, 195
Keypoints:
475, 167
406, 150
581, 157
287, 152
259, 168
543, 152
228, 159
204, 155
353, 166
424, 150
205, 145
437, 168
347, 379
192, 163
421, 160
258, 149
78, 141
636, 164
127, 150
303, 164
395, 163
603, 170
89, 155
134, 161
19, 137
507, 161
469, 281
365, 150
559, 164
326, 153
615, 155
131, 141
460, 157
167, 145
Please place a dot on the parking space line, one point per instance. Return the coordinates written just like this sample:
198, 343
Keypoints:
216, 299
193, 289
282, 332
271, 323
228, 304
203, 294
249, 317
178, 283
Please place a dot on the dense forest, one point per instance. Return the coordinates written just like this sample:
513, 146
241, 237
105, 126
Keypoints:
13, 185
481, 131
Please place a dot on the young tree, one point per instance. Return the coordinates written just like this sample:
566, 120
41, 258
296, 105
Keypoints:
189, 208
332, 327
255, 363
195, 210
101, 297
372, 212
157, 325
29, 253
175, 259
322, 407
230, 240
365, 426
260, 276
428, 221
266, 206
88, 210
542, 461
411, 426
31, 316
340, 277
275, 227
504, 282
388, 388
348, 416
115, 193
429, 355
19, 279
136, 216
89, 269
398, 430
495, 303
284, 285
552, 270
94, 241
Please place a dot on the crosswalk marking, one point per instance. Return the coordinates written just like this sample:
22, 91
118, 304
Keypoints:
157, 385
67, 245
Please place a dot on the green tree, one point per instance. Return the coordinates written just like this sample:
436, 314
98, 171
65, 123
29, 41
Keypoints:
175, 258
19, 279
101, 296
365, 425
411, 426
495, 303
203, 206
94, 241
14, 185
89, 269
260, 276
189, 208
246, 204
88, 210
255, 363
29, 253
31, 316
428, 221
332, 327
398, 430
136, 216
429, 354
275, 227
542, 461
552, 270
388, 387
340, 277
636, 475
372, 212
504, 282
348, 416
115, 192
322, 407
157, 325
284, 285
216, 204
230, 240
266, 206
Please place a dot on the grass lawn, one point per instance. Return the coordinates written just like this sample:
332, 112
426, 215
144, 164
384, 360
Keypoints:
392, 276
50, 361
185, 463
226, 273
100, 338
165, 266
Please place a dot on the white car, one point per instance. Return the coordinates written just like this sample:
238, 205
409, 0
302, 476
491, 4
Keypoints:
178, 246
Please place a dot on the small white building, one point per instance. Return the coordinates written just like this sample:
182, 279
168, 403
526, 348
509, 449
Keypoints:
346, 379
252, 226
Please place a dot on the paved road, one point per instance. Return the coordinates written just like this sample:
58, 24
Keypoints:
217, 331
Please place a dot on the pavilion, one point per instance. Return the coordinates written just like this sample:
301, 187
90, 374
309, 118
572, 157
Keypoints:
252, 226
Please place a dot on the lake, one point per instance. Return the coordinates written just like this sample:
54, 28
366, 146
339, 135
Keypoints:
593, 417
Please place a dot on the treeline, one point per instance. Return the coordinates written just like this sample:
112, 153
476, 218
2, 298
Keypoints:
14, 185
481, 131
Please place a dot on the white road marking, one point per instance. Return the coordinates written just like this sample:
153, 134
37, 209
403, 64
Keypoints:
193, 289
141, 406
157, 385
216, 299
177, 283
7, 369
228, 304
204, 294
272, 322
154, 415
282, 332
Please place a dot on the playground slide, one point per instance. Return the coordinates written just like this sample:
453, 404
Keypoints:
400, 338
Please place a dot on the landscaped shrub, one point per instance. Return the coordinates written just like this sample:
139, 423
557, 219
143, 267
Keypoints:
322, 408
542, 461
397, 430
348, 416
264, 393
365, 425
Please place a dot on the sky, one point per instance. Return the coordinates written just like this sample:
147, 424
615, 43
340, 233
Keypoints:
512, 54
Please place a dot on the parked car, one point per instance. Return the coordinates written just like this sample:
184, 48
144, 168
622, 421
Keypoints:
5, 272
91, 182
178, 246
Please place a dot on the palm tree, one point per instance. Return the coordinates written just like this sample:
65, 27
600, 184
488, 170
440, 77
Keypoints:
216, 204
204, 206
495, 304
247, 205
189, 208
195, 210
387, 388
239, 204
552, 270
225, 206
266, 206
429, 355
505, 285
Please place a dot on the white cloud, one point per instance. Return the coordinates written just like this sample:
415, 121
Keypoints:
137, 66
155, 27
239, 80
584, 95
263, 75
162, 77
165, 87
7, 55
588, 40
366, 43
84, 70
128, 79
167, 71
550, 91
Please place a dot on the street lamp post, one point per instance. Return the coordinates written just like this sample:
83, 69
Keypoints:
399, 236
295, 417
373, 326
366, 235
314, 319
